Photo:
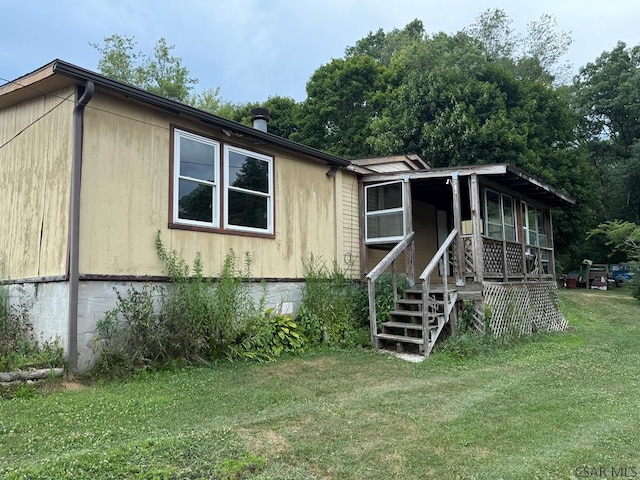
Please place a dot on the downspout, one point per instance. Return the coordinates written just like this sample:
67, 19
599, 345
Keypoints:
74, 220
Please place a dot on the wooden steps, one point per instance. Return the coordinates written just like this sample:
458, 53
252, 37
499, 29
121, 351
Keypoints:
400, 338
403, 331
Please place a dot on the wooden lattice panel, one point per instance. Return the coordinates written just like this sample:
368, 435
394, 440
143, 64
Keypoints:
492, 252
523, 308
514, 258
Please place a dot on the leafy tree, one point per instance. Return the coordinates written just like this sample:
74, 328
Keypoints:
342, 99
623, 237
119, 58
620, 236
284, 113
455, 105
383, 46
536, 54
493, 29
161, 72
607, 95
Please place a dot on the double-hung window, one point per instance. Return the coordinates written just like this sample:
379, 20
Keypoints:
248, 192
196, 180
384, 213
500, 216
221, 187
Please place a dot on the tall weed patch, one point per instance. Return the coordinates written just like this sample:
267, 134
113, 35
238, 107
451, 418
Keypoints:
205, 317
332, 306
193, 318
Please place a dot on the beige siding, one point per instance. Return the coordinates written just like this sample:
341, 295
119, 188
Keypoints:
35, 178
351, 223
125, 200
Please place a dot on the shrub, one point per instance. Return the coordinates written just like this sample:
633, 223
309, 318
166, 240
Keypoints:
132, 335
269, 337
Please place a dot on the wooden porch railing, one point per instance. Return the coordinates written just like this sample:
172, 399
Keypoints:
389, 260
441, 257
506, 260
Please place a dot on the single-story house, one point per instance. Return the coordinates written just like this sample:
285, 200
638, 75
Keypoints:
92, 168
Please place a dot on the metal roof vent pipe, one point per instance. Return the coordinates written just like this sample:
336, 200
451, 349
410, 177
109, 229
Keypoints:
260, 117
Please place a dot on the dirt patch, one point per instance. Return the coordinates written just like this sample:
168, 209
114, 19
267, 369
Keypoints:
264, 442
72, 386
65, 385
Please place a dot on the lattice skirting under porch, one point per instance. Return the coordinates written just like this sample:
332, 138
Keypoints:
522, 308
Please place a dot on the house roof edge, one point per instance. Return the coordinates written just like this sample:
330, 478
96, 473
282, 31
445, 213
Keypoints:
81, 74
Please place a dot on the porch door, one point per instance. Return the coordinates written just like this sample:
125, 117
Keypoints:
442, 228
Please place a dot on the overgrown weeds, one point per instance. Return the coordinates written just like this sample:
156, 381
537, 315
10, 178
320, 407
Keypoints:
204, 317
193, 319
332, 311
474, 336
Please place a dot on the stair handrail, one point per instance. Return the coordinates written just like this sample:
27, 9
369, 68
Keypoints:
388, 260
436, 258
441, 255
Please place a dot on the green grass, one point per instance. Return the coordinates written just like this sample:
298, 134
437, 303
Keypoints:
539, 409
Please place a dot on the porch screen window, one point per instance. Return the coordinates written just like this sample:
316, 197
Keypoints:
384, 213
533, 226
500, 216
195, 189
248, 191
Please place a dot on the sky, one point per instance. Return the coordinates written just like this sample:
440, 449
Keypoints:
254, 49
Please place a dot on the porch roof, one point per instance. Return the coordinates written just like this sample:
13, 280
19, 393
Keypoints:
503, 174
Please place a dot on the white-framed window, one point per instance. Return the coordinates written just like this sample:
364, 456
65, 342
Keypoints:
220, 187
500, 219
196, 166
534, 226
384, 212
248, 191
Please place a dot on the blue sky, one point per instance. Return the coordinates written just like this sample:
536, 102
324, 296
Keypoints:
253, 49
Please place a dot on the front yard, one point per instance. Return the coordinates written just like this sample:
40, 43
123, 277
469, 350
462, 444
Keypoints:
557, 407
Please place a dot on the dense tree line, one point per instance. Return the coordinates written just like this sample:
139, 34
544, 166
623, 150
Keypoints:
482, 95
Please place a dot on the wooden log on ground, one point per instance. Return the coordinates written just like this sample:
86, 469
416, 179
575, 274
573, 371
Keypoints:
30, 374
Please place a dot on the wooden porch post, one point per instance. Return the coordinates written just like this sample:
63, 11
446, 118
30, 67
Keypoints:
476, 239
410, 253
552, 254
457, 224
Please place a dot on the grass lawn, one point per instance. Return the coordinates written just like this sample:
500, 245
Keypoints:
537, 410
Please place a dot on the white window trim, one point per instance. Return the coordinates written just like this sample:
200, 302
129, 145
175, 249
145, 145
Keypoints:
397, 238
215, 223
268, 195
